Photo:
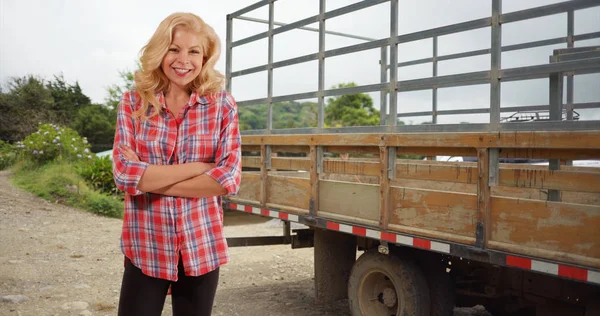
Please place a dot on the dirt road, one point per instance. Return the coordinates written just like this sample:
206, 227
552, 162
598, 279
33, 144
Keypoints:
56, 260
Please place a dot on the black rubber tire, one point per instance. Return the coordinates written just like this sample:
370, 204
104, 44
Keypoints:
442, 291
412, 292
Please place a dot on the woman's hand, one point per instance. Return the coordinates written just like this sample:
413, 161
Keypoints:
128, 153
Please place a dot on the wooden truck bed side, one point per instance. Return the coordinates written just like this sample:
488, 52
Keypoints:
445, 206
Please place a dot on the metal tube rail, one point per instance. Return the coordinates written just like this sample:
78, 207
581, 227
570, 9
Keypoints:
578, 106
569, 64
313, 19
312, 29
473, 78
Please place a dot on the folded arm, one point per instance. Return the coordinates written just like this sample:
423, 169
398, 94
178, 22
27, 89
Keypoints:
225, 177
134, 176
157, 177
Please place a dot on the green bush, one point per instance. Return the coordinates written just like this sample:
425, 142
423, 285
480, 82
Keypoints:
99, 175
105, 205
52, 142
60, 182
8, 155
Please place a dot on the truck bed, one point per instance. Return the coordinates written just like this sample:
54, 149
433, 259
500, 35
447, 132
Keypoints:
484, 210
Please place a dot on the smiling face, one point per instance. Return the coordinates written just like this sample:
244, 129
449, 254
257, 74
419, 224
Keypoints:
183, 60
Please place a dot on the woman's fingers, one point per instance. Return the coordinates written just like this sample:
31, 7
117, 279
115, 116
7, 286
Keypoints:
128, 153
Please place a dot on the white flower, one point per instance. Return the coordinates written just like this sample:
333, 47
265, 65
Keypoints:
35, 152
75, 149
89, 156
73, 139
85, 141
41, 152
54, 140
58, 137
59, 133
31, 142
78, 155
86, 151
46, 133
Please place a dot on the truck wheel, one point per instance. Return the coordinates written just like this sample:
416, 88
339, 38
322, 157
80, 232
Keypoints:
385, 285
442, 291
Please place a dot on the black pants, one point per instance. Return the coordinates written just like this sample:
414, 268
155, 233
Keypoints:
144, 295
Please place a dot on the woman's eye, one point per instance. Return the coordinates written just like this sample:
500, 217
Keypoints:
195, 52
173, 50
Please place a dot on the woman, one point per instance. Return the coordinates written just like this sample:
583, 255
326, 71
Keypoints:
176, 152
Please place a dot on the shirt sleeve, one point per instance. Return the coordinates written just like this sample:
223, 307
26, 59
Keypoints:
126, 174
228, 160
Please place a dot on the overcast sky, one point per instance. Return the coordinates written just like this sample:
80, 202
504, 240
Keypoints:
91, 41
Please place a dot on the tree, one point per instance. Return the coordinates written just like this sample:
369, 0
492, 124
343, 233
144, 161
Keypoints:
68, 99
26, 103
351, 109
94, 121
285, 115
115, 91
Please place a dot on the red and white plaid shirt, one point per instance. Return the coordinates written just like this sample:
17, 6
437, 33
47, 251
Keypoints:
157, 228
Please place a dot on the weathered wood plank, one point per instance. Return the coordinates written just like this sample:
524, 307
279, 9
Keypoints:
502, 165
293, 192
544, 153
438, 151
550, 226
290, 163
370, 168
352, 150
251, 161
290, 149
349, 199
250, 148
537, 139
437, 172
514, 175
438, 211
550, 179
250, 187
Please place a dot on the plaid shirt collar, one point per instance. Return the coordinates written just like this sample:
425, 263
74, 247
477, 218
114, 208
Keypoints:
195, 99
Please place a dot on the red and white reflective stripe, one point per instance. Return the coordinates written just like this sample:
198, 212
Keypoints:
263, 212
390, 237
555, 269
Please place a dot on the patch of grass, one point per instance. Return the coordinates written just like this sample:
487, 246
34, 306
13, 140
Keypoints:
60, 183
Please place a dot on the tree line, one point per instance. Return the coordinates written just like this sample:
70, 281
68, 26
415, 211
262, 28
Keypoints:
27, 101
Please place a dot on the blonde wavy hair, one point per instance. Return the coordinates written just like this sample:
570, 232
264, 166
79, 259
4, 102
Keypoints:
150, 79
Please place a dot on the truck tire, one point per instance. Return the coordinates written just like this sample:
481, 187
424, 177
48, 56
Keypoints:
385, 285
442, 291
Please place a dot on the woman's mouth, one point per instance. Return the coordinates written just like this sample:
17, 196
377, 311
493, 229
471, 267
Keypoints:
181, 72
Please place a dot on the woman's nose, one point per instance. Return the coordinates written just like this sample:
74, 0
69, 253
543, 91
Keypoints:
183, 57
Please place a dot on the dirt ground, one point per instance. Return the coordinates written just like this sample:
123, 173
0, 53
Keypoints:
55, 260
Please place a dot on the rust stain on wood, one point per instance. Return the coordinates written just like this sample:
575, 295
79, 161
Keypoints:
294, 192
551, 179
553, 226
250, 187
434, 210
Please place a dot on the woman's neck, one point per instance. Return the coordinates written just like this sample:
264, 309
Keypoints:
176, 98
177, 93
